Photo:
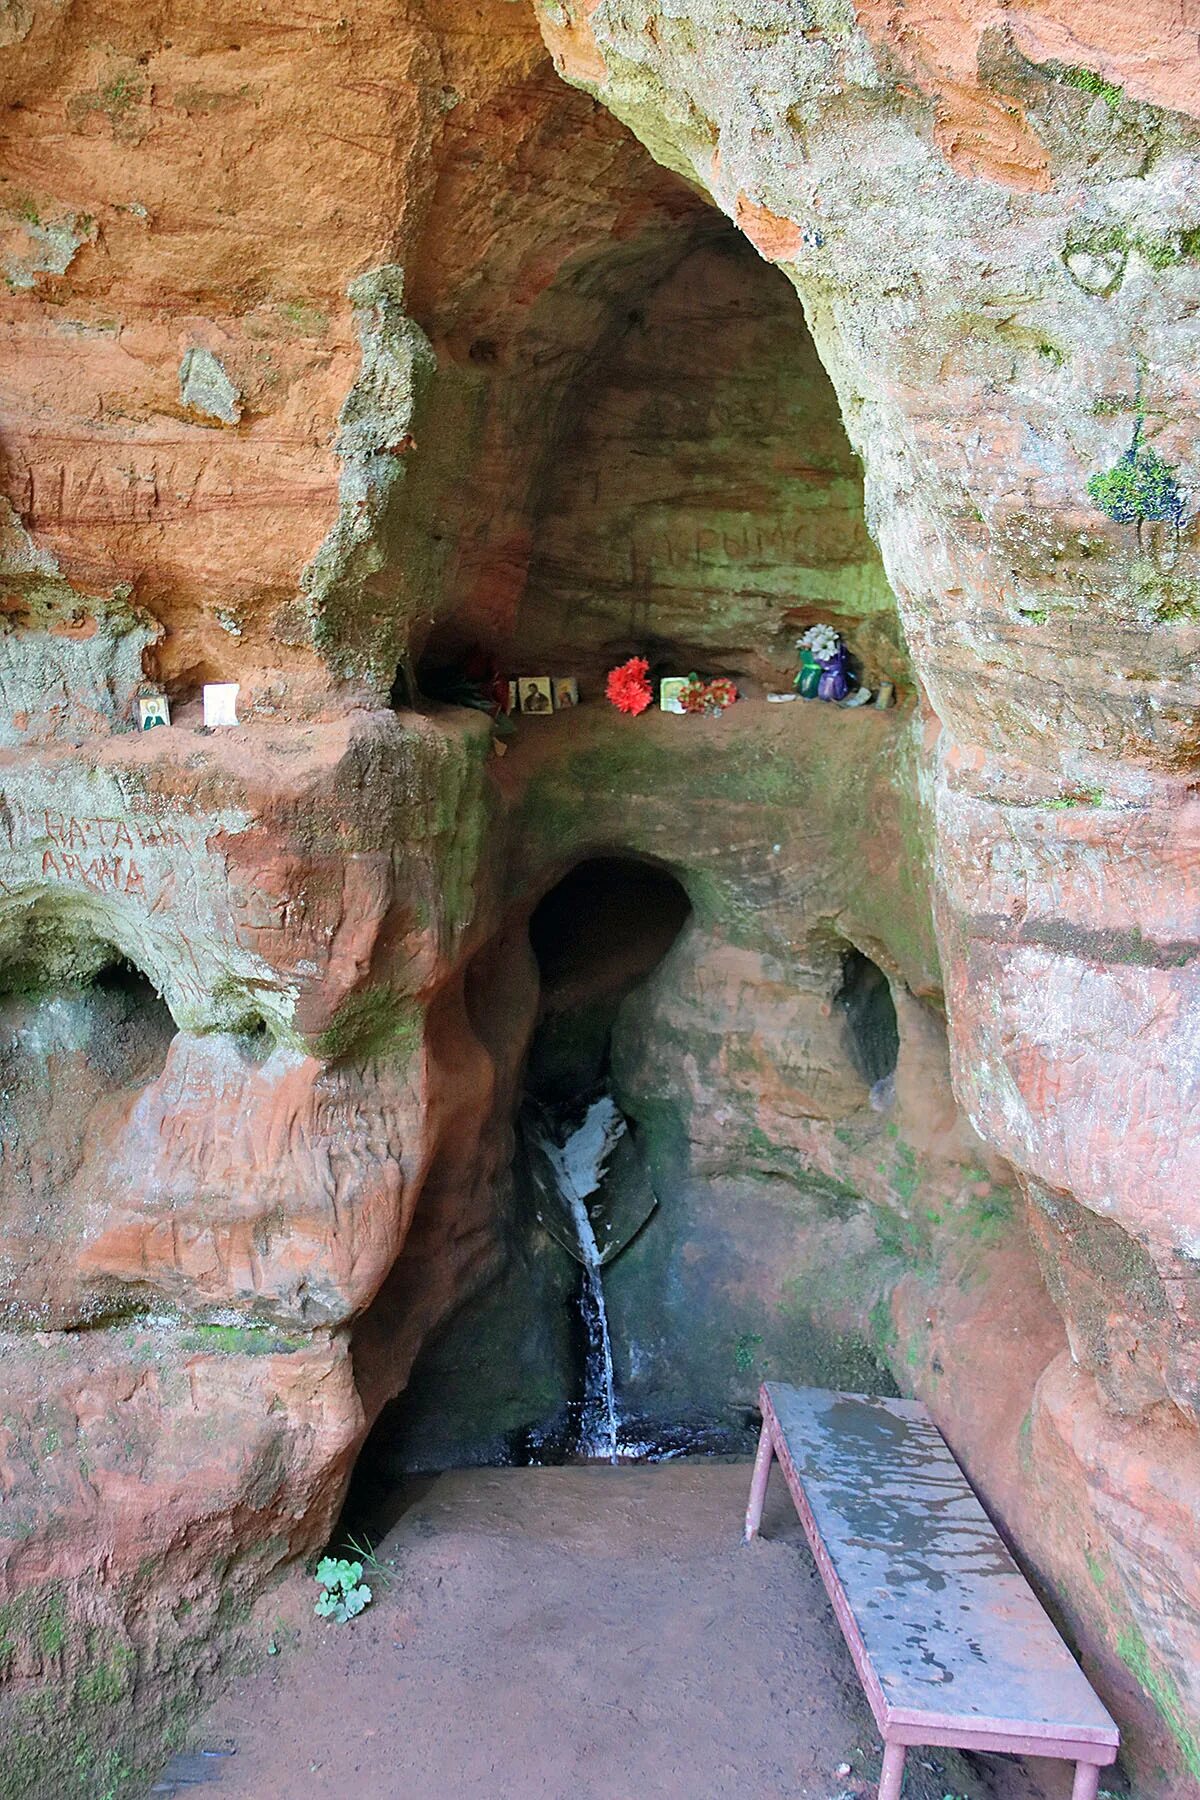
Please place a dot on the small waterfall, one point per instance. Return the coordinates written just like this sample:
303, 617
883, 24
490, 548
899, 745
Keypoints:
579, 1164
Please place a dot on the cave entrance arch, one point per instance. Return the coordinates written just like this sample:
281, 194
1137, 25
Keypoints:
597, 933
504, 1379
686, 489
685, 485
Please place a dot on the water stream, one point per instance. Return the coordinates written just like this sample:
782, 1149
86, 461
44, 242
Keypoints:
579, 1164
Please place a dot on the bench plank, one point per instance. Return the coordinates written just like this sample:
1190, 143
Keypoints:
952, 1644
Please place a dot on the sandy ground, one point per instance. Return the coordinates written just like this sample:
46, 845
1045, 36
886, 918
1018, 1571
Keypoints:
587, 1632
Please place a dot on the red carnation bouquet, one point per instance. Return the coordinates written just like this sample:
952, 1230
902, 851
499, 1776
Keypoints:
628, 687
708, 697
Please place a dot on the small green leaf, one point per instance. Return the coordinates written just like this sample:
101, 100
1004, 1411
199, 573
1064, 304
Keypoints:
355, 1600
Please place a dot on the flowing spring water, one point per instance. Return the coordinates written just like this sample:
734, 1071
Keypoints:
579, 1165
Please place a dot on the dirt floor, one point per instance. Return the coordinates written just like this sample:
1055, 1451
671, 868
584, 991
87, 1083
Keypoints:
589, 1632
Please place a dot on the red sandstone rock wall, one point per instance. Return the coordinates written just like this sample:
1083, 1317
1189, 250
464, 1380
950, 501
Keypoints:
297, 311
989, 215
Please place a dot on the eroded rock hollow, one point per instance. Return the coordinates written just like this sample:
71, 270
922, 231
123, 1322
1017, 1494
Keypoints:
356, 358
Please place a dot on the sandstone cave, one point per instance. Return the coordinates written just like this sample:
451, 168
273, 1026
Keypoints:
426, 1125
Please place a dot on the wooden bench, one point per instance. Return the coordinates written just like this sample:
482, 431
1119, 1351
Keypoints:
949, 1640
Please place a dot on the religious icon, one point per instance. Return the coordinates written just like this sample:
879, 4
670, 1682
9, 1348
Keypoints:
537, 695
220, 703
670, 693
153, 709
566, 692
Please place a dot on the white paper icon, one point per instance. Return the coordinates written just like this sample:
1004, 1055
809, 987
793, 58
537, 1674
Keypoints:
220, 703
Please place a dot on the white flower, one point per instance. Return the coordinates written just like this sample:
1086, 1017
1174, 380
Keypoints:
822, 640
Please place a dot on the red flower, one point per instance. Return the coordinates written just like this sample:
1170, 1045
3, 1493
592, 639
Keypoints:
628, 686
692, 697
708, 697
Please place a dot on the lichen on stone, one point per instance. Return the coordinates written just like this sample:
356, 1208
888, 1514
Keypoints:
51, 245
206, 387
70, 663
376, 436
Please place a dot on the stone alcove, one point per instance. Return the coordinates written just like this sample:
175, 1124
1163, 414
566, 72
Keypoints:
681, 477
700, 502
689, 492
793, 1103
83, 1031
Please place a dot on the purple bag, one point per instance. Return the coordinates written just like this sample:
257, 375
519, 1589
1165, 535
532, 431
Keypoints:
835, 679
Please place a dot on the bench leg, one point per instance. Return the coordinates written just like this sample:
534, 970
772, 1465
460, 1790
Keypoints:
758, 1483
891, 1779
1087, 1782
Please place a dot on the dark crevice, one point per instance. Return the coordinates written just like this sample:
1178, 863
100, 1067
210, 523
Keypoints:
603, 929
865, 998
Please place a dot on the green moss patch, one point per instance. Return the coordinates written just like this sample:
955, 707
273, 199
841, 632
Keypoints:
240, 1340
1163, 1690
1140, 488
373, 1024
1087, 81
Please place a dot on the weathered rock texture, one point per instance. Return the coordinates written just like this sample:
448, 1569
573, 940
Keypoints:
1001, 288
336, 346
704, 501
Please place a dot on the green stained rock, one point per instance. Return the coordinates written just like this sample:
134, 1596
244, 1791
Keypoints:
373, 1023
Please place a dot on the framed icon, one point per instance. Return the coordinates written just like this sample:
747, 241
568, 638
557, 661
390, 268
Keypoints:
537, 693
670, 691
220, 703
566, 692
153, 709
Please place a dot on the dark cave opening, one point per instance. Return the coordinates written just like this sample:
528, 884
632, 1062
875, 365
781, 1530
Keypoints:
598, 933
82, 1032
581, 1167
502, 1381
872, 1030
72, 995
451, 670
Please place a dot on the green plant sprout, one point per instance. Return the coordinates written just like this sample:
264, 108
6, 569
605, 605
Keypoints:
378, 1571
344, 1594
